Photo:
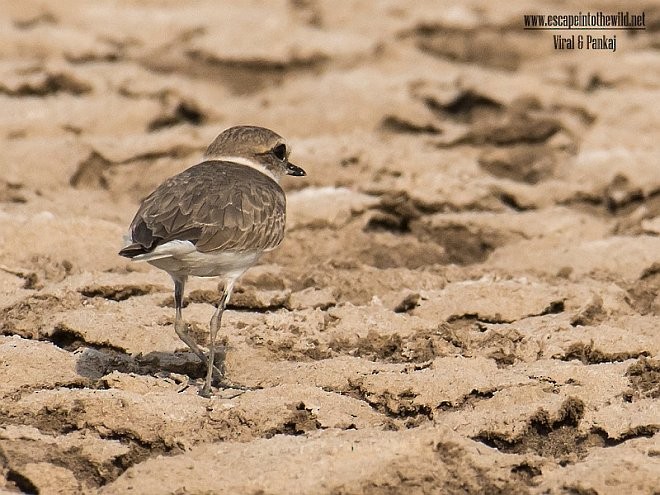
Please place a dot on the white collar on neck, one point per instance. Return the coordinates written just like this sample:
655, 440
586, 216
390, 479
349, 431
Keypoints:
241, 160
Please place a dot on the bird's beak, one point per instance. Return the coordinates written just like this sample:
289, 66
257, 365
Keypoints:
294, 170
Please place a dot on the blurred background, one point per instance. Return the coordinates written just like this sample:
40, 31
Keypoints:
474, 248
431, 106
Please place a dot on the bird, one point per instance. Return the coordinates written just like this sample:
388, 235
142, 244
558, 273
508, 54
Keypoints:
215, 219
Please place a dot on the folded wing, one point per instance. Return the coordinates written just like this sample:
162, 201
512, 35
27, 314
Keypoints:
218, 206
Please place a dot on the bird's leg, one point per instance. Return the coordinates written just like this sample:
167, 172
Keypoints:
214, 326
180, 326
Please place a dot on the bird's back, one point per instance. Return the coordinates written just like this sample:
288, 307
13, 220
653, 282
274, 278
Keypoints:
216, 206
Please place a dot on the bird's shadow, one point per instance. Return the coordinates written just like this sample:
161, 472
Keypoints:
95, 363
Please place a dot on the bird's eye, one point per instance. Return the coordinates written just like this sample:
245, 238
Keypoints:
280, 151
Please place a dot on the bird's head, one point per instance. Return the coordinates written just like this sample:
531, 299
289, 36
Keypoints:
256, 147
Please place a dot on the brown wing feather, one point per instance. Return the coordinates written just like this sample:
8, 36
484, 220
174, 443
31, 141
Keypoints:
204, 206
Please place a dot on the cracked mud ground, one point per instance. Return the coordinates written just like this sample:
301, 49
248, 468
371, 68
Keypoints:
466, 301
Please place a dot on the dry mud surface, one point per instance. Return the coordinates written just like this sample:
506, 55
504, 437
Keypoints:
467, 297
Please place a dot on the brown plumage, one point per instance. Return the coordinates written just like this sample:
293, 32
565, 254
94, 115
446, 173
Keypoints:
216, 206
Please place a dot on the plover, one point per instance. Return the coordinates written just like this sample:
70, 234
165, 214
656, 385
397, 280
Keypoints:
215, 219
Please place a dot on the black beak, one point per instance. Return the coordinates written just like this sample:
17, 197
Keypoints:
292, 169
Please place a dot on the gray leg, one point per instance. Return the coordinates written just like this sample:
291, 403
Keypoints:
180, 326
214, 326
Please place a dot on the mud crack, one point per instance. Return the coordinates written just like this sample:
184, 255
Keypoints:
302, 420
588, 354
119, 292
544, 435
